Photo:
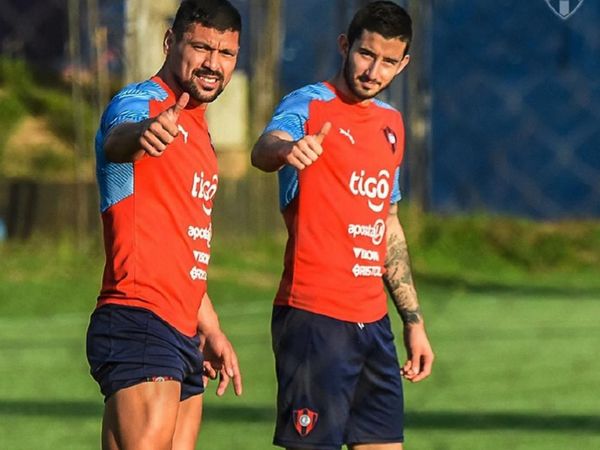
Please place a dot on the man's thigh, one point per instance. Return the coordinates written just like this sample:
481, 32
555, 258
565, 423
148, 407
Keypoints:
377, 416
142, 416
150, 374
318, 363
187, 428
338, 382
128, 346
396, 446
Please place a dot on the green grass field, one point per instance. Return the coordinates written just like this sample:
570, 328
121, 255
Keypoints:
516, 366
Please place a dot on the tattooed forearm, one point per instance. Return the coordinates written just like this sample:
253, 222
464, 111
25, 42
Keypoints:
398, 278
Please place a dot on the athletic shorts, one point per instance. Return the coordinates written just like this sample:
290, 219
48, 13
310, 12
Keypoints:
338, 382
127, 346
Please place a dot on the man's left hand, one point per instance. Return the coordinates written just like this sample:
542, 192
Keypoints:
220, 359
420, 355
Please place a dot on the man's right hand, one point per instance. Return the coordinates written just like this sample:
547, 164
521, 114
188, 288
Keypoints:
306, 151
161, 130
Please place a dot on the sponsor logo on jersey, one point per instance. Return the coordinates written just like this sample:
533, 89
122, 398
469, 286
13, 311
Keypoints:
348, 135
375, 232
366, 271
184, 133
204, 234
367, 255
201, 257
391, 137
198, 274
376, 189
204, 190
304, 420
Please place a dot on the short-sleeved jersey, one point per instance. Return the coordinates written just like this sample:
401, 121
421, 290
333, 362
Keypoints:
156, 212
335, 210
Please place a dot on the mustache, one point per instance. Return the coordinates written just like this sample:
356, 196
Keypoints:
207, 72
365, 78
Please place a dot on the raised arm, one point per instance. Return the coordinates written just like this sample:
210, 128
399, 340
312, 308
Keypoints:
399, 282
277, 148
129, 141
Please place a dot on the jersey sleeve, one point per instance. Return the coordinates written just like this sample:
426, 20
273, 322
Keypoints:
131, 104
291, 115
396, 194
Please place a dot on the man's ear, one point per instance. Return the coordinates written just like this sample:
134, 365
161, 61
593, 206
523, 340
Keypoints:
403, 64
168, 41
343, 45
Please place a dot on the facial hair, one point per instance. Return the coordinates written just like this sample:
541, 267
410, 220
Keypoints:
351, 83
190, 87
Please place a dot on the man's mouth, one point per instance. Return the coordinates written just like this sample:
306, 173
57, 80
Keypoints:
208, 80
368, 83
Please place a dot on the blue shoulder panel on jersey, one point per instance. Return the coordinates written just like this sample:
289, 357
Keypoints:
396, 194
290, 116
131, 104
384, 105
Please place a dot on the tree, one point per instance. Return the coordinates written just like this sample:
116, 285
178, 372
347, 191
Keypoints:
267, 34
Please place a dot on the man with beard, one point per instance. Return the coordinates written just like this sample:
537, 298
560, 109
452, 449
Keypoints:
154, 333
338, 150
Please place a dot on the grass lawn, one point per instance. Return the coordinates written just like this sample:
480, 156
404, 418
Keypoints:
516, 355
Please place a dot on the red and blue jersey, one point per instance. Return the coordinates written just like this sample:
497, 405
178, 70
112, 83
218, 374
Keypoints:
156, 212
335, 210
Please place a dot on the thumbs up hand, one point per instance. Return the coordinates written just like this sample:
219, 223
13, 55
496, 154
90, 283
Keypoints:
307, 150
161, 130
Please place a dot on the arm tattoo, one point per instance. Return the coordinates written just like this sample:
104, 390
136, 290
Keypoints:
398, 279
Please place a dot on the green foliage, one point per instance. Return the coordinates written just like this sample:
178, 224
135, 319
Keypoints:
25, 93
11, 113
47, 162
53, 102
492, 246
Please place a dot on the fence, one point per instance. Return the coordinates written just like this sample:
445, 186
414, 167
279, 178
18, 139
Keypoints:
245, 206
516, 109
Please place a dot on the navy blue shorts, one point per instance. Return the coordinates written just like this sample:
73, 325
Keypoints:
338, 382
127, 346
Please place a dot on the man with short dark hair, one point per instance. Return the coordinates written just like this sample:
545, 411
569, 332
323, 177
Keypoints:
154, 333
337, 151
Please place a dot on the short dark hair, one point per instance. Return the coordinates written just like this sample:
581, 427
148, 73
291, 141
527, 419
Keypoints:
383, 17
218, 14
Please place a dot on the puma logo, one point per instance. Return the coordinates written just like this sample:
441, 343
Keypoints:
184, 133
348, 135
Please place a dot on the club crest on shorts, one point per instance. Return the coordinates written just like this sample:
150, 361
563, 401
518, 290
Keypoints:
304, 421
564, 8
391, 138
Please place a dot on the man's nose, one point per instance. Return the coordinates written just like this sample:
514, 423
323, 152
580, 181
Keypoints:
373, 69
211, 61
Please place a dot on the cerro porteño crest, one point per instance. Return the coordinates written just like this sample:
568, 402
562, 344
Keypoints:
564, 8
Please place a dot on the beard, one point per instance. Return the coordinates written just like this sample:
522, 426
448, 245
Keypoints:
355, 88
196, 92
